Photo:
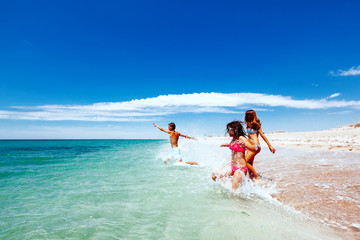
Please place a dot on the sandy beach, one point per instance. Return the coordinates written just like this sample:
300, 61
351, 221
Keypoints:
345, 139
317, 173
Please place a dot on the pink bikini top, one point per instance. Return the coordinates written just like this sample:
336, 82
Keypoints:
236, 147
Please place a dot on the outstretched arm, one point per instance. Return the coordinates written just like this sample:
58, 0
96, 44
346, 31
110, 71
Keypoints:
160, 128
262, 134
185, 136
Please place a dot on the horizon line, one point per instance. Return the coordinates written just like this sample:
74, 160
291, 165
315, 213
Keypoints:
80, 139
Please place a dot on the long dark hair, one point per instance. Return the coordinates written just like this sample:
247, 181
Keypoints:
251, 120
237, 127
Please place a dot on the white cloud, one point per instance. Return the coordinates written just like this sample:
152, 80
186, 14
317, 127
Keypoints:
340, 113
353, 71
151, 109
335, 95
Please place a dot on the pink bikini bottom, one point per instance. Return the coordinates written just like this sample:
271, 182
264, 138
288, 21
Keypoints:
244, 169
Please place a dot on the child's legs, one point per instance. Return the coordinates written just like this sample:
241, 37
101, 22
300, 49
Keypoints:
174, 155
237, 179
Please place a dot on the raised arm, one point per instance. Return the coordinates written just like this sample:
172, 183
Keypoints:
185, 136
161, 129
262, 134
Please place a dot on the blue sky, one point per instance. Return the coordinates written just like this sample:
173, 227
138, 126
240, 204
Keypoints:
108, 69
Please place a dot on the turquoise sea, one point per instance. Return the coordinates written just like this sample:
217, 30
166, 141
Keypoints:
120, 189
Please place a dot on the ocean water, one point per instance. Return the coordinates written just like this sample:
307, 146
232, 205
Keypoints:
120, 189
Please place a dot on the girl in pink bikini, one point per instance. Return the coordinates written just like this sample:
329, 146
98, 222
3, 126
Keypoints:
237, 168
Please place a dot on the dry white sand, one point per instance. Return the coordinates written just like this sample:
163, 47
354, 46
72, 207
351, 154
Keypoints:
345, 139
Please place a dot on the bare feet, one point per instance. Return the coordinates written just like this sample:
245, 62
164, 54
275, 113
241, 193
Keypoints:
257, 181
190, 163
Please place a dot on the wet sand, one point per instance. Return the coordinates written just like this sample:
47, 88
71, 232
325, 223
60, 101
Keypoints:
318, 173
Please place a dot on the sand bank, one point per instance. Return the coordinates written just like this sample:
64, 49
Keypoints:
344, 139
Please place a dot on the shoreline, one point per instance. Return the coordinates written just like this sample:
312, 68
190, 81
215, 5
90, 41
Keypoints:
318, 181
320, 178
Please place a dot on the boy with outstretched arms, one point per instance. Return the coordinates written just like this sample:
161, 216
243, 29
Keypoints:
174, 138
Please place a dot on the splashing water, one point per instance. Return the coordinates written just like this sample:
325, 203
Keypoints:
122, 190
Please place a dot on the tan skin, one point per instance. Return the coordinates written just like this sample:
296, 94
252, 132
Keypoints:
174, 138
250, 155
237, 160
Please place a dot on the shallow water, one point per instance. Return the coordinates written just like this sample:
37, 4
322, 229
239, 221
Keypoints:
120, 189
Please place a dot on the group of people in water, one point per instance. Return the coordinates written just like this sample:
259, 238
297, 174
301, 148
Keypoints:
244, 147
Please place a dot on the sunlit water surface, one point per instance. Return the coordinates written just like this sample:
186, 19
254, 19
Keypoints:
120, 189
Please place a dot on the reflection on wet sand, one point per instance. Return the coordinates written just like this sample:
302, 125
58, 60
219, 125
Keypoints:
324, 185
